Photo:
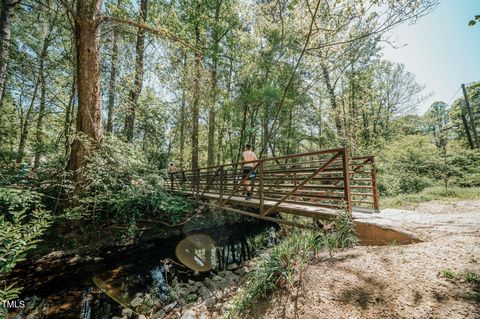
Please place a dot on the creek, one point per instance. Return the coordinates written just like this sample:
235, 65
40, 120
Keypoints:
97, 287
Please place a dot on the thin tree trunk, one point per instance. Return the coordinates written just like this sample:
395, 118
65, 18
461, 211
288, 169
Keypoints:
41, 109
138, 81
333, 99
68, 117
41, 113
113, 79
24, 128
182, 112
242, 132
213, 100
211, 118
196, 101
182, 128
5, 26
89, 113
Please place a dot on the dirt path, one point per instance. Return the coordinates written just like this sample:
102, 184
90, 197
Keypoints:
395, 281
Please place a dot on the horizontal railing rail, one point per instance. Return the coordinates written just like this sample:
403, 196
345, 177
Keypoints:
326, 178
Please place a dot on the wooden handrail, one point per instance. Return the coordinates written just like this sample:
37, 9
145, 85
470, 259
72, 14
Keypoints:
333, 150
241, 183
302, 183
323, 178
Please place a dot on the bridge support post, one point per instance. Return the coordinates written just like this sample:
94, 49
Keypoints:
222, 185
346, 179
373, 173
261, 187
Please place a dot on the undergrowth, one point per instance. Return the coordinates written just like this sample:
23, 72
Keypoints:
23, 221
284, 264
430, 194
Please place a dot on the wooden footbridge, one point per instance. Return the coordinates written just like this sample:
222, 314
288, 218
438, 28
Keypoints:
316, 184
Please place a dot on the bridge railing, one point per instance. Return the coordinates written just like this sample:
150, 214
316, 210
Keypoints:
318, 179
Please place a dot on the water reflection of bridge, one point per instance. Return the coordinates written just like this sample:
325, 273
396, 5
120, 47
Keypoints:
316, 184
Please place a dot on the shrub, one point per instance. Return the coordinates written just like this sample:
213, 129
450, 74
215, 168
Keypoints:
465, 167
409, 165
120, 182
22, 223
286, 261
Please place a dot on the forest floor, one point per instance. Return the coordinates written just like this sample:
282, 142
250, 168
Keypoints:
437, 278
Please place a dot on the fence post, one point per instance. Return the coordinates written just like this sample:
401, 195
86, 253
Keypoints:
260, 171
346, 179
222, 185
197, 181
373, 168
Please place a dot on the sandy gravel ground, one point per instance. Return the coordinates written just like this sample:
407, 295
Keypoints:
394, 281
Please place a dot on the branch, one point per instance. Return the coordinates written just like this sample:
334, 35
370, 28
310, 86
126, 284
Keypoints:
161, 32
287, 87
67, 7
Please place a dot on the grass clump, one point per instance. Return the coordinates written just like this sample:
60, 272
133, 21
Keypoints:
471, 277
448, 274
430, 194
284, 264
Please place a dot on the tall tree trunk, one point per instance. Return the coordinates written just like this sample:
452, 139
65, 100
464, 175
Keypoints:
41, 109
89, 113
24, 129
196, 101
5, 26
183, 111
138, 80
241, 143
41, 113
333, 99
25, 123
113, 79
182, 128
213, 93
68, 116
211, 117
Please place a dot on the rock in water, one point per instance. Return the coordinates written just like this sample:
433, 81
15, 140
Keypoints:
210, 301
86, 307
136, 302
126, 312
189, 314
159, 315
169, 307
232, 266
204, 292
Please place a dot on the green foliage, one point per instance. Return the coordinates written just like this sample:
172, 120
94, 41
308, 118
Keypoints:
471, 277
474, 21
123, 187
448, 274
429, 194
465, 166
22, 223
468, 276
408, 165
342, 236
285, 262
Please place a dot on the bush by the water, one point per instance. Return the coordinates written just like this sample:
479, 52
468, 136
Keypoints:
122, 186
286, 262
23, 221
413, 163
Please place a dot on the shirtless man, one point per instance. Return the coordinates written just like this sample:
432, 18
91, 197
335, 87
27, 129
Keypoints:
248, 156
171, 171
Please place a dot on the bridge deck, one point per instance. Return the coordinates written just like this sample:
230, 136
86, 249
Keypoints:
317, 184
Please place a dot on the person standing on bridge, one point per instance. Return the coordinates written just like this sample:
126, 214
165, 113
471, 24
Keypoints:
248, 157
171, 171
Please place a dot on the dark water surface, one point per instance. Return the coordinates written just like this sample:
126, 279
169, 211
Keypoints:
72, 289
